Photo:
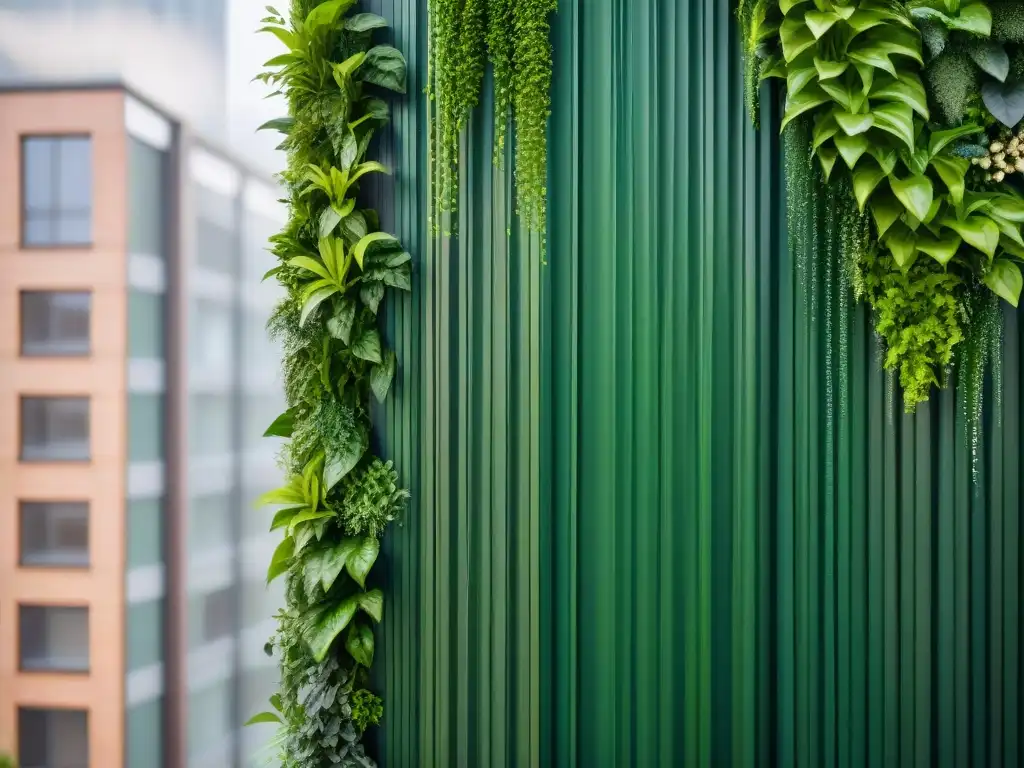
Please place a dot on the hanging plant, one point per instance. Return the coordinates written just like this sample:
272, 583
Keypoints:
515, 37
336, 267
942, 227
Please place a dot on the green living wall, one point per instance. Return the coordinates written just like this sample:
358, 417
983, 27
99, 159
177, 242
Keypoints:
658, 516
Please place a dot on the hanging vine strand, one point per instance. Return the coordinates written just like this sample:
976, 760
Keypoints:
515, 38
336, 267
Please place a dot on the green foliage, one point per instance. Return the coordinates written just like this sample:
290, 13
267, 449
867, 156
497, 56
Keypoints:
6, 761
515, 37
367, 709
336, 267
938, 232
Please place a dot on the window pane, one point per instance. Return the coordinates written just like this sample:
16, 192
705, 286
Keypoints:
74, 185
55, 533
145, 427
54, 638
211, 343
209, 522
38, 174
145, 735
73, 229
145, 634
53, 738
145, 532
210, 425
146, 199
55, 323
55, 428
145, 325
38, 229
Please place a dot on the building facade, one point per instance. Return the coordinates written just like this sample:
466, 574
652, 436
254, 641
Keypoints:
135, 381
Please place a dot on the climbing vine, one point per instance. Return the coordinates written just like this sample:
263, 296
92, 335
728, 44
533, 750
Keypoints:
916, 108
514, 35
336, 267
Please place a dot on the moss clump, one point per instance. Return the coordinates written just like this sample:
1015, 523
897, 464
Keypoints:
952, 78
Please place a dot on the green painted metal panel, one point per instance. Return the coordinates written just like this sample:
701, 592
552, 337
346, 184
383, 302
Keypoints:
659, 515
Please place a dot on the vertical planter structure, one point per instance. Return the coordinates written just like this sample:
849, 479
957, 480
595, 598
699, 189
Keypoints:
661, 513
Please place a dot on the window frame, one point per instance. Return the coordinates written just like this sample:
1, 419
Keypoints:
22, 669
22, 397
88, 353
22, 563
23, 242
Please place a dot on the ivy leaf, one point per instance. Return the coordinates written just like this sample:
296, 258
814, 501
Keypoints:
829, 69
820, 22
853, 124
952, 171
381, 376
340, 326
359, 644
809, 98
327, 624
897, 119
865, 179
372, 603
796, 79
364, 22
343, 457
795, 37
1004, 280
975, 18
827, 156
282, 425
362, 559
367, 346
1005, 101
902, 243
979, 231
942, 249
915, 192
263, 717
906, 90
852, 147
385, 66
991, 57
371, 295
886, 210
825, 127
279, 561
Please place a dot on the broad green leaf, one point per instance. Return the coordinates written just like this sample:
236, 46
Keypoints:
865, 178
385, 66
281, 124
825, 127
362, 559
902, 244
867, 76
275, 702
327, 624
774, 66
343, 72
282, 426
340, 326
321, 568
916, 161
372, 603
991, 57
343, 457
359, 644
284, 517
263, 717
367, 346
786, 5
1009, 207
283, 60
287, 494
885, 209
314, 301
376, 109
874, 55
907, 91
371, 294
853, 124
399, 277
1011, 247
902, 42
354, 227
312, 265
364, 243
328, 221
349, 150
942, 249
308, 516
979, 231
897, 119
852, 147
369, 167
925, 13
1004, 280
382, 374
939, 140
829, 69
270, 273
798, 78
827, 156
952, 171
1004, 100
820, 22
327, 13
975, 18
795, 37
364, 22
1008, 230
915, 192
282, 556
839, 92
886, 157
285, 35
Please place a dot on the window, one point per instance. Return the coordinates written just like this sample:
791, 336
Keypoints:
144, 734
55, 323
56, 190
216, 245
145, 427
55, 534
54, 639
53, 738
218, 614
145, 325
210, 422
146, 204
54, 429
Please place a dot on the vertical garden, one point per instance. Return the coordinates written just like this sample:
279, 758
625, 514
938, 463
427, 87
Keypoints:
665, 412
